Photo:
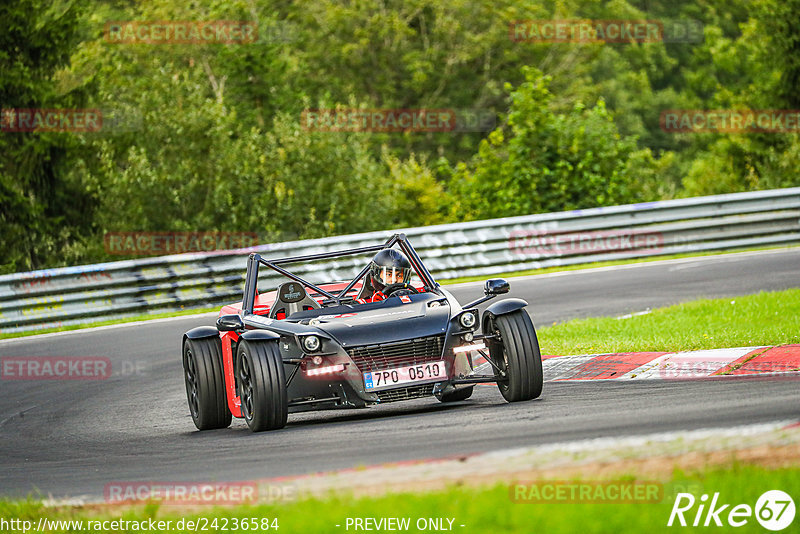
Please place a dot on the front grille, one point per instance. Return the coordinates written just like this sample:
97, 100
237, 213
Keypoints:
411, 392
399, 354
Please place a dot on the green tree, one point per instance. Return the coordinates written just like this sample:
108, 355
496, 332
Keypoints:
757, 71
546, 161
42, 212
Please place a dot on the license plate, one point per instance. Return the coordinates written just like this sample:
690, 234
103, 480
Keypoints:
413, 374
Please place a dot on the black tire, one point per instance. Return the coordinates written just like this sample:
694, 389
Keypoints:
262, 385
455, 396
205, 383
516, 352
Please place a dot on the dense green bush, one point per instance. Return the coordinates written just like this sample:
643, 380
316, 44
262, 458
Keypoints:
209, 137
544, 161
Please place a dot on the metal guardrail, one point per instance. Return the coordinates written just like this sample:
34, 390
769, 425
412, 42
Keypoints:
107, 291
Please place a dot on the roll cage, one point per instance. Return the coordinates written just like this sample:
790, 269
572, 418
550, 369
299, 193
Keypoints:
255, 260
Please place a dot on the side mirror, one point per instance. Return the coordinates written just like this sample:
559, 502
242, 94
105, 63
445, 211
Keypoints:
496, 286
230, 323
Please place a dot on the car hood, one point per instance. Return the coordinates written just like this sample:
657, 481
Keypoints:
392, 320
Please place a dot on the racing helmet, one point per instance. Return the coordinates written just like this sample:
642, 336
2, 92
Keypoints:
388, 267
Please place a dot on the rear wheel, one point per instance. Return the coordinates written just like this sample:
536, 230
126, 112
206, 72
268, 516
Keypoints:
262, 385
514, 349
205, 383
456, 395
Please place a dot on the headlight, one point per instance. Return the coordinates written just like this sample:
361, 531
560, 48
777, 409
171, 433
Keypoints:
338, 368
311, 343
469, 348
467, 320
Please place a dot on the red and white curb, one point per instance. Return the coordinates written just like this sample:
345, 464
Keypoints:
781, 360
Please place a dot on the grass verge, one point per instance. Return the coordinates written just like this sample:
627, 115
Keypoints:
768, 318
481, 510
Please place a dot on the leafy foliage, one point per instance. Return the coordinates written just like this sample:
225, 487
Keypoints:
548, 161
208, 137
42, 209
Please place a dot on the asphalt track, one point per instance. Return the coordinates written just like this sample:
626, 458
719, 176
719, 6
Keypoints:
71, 438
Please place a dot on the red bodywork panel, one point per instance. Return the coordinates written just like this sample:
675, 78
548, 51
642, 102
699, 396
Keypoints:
262, 306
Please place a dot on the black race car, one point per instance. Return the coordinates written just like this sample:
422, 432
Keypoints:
377, 338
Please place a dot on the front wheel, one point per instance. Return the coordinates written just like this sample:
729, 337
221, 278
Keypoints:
262, 385
205, 383
514, 349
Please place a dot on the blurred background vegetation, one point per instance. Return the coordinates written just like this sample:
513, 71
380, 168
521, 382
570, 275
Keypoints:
209, 137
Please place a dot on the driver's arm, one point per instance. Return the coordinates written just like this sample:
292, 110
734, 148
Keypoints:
376, 297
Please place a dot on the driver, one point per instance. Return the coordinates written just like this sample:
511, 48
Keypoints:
387, 267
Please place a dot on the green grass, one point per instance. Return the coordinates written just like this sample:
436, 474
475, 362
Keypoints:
480, 510
768, 318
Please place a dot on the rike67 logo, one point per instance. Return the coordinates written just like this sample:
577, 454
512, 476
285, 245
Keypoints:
774, 510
